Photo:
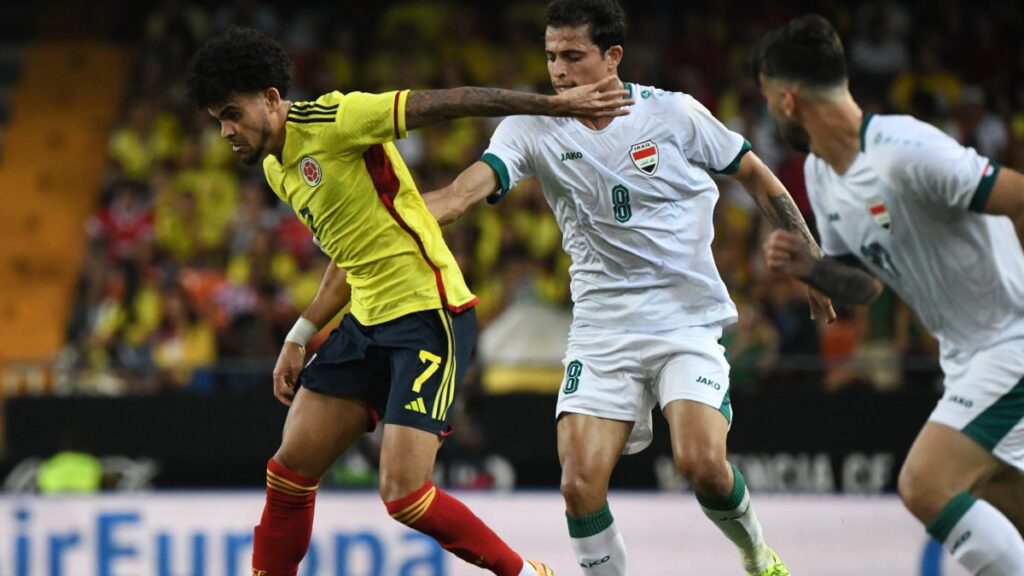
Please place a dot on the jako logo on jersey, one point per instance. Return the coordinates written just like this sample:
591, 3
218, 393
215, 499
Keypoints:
572, 156
712, 383
592, 563
311, 172
965, 402
645, 156
879, 212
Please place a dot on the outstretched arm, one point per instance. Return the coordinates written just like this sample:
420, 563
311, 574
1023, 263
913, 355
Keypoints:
787, 252
331, 297
473, 185
773, 199
604, 98
1007, 199
778, 206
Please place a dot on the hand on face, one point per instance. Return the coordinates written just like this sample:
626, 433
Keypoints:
604, 98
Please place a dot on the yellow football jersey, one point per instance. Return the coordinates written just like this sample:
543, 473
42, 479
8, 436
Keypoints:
345, 179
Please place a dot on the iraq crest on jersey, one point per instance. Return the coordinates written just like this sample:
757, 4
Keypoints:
645, 156
879, 212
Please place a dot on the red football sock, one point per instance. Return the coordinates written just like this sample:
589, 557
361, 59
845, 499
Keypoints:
283, 535
433, 512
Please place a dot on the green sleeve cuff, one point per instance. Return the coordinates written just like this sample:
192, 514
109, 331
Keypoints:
734, 166
501, 170
984, 190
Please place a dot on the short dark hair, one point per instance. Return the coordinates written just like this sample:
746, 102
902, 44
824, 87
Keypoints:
243, 61
806, 49
605, 19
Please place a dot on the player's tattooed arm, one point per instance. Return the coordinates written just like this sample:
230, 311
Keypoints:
601, 99
774, 200
844, 283
782, 212
778, 207
787, 252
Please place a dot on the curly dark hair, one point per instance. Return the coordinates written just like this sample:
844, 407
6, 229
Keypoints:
243, 61
806, 49
605, 19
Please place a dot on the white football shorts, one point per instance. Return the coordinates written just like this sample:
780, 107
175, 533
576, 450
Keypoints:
984, 399
621, 375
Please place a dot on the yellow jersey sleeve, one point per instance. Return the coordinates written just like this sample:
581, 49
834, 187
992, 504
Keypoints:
366, 119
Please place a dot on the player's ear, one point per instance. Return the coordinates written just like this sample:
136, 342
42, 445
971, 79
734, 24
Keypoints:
273, 97
788, 102
614, 55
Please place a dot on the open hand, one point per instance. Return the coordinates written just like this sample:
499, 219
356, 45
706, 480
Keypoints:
603, 98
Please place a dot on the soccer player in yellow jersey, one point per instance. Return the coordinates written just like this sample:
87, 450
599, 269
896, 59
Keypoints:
400, 353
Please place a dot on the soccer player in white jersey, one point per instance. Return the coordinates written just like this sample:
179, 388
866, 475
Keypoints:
634, 201
898, 201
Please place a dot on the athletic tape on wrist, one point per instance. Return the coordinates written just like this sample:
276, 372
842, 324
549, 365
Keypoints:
301, 332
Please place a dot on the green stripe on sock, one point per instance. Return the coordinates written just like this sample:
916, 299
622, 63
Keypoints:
589, 524
951, 513
730, 502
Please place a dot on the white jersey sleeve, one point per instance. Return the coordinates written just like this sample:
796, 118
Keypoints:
706, 141
831, 242
509, 154
933, 167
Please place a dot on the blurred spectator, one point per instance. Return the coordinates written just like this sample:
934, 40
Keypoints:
928, 91
975, 126
246, 14
753, 347
147, 138
918, 352
125, 224
253, 216
177, 21
785, 305
841, 344
185, 347
877, 53
893, 16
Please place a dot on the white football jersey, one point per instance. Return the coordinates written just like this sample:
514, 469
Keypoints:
634, 202
909, 209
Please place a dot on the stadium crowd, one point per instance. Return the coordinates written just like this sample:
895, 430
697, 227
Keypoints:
195, 271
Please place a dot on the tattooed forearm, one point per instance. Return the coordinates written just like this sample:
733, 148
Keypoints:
843, 283
425, 107
782, 212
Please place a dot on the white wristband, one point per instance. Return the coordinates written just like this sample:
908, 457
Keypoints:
301, 332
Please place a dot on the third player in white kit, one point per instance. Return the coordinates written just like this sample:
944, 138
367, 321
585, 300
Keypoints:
897, 200
634, 200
